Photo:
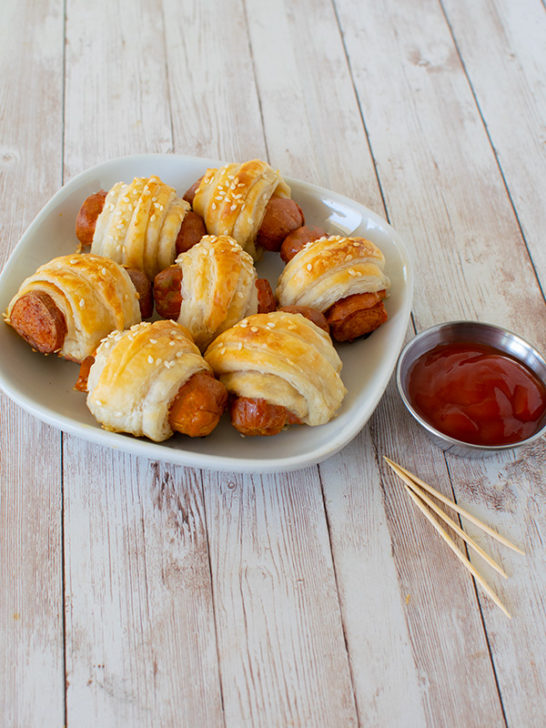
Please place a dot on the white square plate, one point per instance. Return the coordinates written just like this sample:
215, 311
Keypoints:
44, 385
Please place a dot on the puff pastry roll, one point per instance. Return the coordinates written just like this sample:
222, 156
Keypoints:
211, 287
232, 200
284, 360
341, 276
140, 377
70, 303
138, 224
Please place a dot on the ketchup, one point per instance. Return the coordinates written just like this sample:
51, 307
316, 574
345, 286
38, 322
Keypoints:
477, 394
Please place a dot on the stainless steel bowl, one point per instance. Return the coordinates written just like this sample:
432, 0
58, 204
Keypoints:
475, 332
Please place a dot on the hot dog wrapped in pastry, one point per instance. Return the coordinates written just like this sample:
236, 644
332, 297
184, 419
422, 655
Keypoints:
250, 202
280, 369
70, 303
341, 276
142, 225
151, 381
211, 287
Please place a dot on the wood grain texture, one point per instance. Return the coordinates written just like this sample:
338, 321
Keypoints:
116, 93
141, 645
509, 493
31, 601
269, 608
443, 188
501, 44
215, 106
321, 597
280, 638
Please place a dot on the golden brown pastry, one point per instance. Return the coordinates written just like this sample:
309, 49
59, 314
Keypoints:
140, 377
283, 360
70, 303
216, 287
232, 200
341, 276
139, 223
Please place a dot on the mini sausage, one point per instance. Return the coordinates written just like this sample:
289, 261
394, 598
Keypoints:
253, 416
266, 297
189, 194
87, 217
298, 239
313, 314
39, 321
198, 406
168, 293
356, 315
191, 231
282, 216
83, 376
144, 289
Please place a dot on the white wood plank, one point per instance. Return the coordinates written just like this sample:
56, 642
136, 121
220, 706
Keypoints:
441, 181
403, 679
313, 125
449, 199
280, 636
141, 644
215, 107
509, 494
117, 99
504, 53
31, 622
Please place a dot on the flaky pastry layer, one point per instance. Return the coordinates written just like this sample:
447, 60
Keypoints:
95, 295
137, 374
329, 269
218, 287
139, 224
283, 358
232, 200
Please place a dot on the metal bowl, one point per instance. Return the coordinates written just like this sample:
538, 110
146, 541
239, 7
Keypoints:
479, 333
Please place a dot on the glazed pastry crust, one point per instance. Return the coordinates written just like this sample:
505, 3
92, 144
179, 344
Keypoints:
329, 269
283, 358
218, 287
139, 224
232, 200
95, 295
137, 374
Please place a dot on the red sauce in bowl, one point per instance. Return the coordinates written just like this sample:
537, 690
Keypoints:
477, 394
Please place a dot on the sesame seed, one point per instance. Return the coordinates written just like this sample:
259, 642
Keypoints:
179, 354
233, 207
82, 302
153, 341
152, 217
254, 329
73, 261
213, 205
103, 271
150, 360
309, 266
172, 342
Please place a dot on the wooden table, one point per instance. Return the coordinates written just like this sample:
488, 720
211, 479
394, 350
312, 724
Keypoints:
135, 593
